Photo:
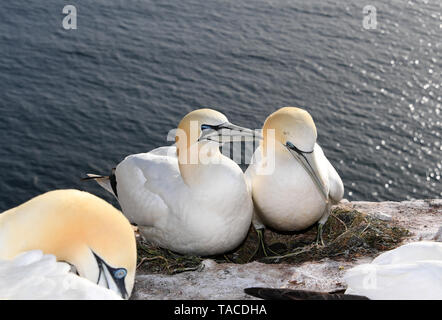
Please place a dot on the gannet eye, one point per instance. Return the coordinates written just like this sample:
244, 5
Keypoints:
290, 145
120, 273
205, 126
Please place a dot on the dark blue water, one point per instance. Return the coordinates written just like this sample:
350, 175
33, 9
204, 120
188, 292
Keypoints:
79, 101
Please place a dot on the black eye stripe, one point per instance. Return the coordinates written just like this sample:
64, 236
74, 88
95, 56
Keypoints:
118, 274
205, 126
115, 271
290, 145
213, 127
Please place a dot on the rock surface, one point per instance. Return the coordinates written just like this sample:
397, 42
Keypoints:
423, 218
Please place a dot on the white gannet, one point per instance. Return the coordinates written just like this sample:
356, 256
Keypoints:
411, 272
303, 184
80, 230
188, 198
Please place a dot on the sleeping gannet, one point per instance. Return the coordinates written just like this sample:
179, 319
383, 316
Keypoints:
411, 272
300, 189
77, 228
188, 197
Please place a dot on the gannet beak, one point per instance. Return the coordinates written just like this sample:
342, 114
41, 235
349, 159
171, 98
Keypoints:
306, 159
227, 132
111, 278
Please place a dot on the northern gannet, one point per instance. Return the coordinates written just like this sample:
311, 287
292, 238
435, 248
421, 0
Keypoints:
188, 197
83, 232
411, 272
293, 184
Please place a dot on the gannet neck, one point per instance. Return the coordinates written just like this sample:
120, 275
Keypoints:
196, 155
200, 157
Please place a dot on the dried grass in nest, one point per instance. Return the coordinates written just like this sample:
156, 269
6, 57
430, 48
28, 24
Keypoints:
347, 234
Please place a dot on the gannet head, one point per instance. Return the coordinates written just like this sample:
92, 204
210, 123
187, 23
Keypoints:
292, 125
209, 125
204, 126
195, 122
295, 129
78, 228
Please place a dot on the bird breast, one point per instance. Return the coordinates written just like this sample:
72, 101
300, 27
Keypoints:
287, 199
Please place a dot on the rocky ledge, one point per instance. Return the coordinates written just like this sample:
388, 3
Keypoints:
215, 279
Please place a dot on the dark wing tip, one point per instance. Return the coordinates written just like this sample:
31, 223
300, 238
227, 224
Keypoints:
290, 294
91, 177
267, 293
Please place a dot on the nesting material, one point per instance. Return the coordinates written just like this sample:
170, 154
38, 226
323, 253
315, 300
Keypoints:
348, 234
370, 228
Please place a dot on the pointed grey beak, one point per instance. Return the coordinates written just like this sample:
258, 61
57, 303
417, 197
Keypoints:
305, 158
227, 132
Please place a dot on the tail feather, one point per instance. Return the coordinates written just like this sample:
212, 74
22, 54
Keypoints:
107, 182
289, 294
91, 176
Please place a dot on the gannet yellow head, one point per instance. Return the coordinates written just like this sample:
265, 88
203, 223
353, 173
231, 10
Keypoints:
202, 126
293, 125
209, 125
79, 228
195, 122
295, 129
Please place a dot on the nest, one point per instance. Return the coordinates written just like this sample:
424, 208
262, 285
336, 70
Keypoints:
348, 234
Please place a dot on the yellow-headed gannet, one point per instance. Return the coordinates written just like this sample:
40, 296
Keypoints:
75, 227
293, 183
188, 197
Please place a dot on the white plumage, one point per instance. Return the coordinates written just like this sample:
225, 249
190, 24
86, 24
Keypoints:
292, 182
200, 208
76, 228
210, 218
288, 199
33, 275
412, 271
